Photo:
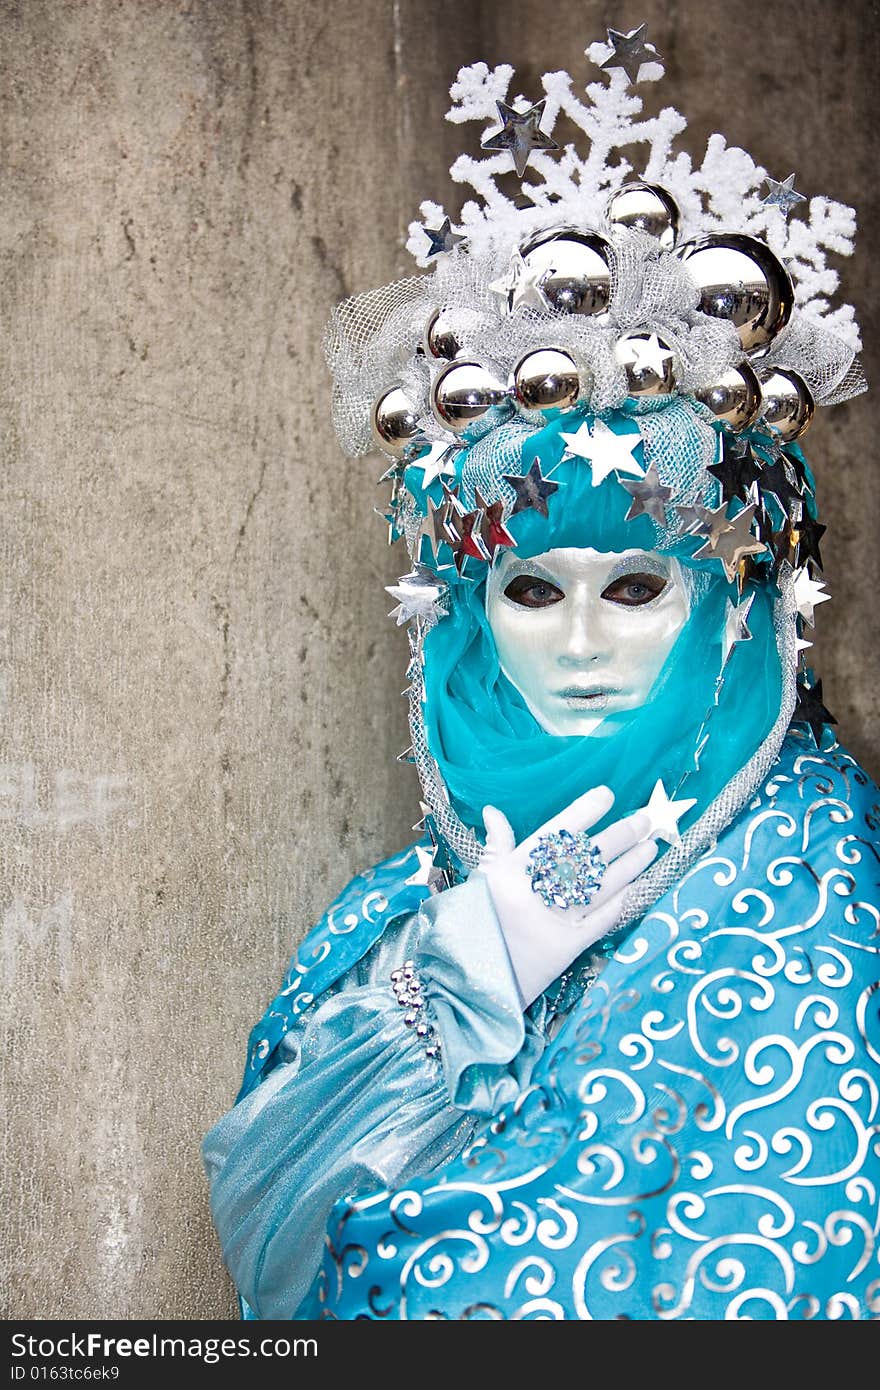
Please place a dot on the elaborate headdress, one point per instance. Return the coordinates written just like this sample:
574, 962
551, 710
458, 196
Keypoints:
632, 345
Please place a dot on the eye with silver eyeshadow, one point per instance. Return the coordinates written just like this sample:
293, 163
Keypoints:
635, 581
532, 591
526, 584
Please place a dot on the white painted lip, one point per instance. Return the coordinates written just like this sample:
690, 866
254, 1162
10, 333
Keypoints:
577, 697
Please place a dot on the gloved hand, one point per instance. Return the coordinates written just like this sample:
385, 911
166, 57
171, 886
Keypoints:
543, 941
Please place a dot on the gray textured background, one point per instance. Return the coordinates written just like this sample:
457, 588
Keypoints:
198, 682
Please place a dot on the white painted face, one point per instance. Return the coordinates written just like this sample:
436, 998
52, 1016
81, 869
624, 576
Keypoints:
582, 633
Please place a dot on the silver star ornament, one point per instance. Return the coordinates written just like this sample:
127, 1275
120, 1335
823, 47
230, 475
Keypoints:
433, 532
630, 51
782, 195
436, 461
520, 287
427, 875
704, 521
520, 134
650, 354
532, 489
692, 520
649, 497
808, 594
733, 543
664, 814
418, 595
442, 239
735, 626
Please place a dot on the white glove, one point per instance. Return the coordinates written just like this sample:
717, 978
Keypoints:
543, 941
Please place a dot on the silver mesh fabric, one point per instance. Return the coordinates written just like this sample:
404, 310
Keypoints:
852, 383
375, 340
827, 364
460, 838
678, 440
368, 343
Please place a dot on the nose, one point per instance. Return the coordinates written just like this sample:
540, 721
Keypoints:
584, 644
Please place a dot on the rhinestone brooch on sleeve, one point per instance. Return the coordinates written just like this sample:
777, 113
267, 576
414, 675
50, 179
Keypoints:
409, 994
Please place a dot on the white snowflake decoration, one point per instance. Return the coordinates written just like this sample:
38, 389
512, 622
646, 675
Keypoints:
375, 341
725, 192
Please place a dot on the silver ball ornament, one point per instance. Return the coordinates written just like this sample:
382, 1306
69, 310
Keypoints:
394, 421
464, 392
789, 405
740, 279
734, 398
646, 207
649, 363
439, 339
573, 268
546, 379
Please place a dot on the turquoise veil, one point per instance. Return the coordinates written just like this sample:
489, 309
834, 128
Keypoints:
697, 729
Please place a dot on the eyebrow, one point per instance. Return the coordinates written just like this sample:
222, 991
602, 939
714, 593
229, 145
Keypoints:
640, 563
644, 563
516, 567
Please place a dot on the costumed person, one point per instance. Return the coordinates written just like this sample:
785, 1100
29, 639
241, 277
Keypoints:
603, 1043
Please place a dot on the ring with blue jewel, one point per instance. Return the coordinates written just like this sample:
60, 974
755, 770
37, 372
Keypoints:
566, 869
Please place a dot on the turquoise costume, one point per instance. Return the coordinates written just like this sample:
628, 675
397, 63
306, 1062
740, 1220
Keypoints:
694, 1134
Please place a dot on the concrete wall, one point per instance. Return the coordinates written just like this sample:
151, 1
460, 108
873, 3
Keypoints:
199, 683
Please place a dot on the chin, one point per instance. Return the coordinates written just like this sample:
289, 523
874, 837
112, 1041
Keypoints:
581, 726
604, 729
564, 722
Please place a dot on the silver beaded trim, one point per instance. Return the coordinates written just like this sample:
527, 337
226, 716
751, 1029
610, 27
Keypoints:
408, 992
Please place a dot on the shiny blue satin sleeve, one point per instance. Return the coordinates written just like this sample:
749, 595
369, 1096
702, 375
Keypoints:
357, 1103
489, 1045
